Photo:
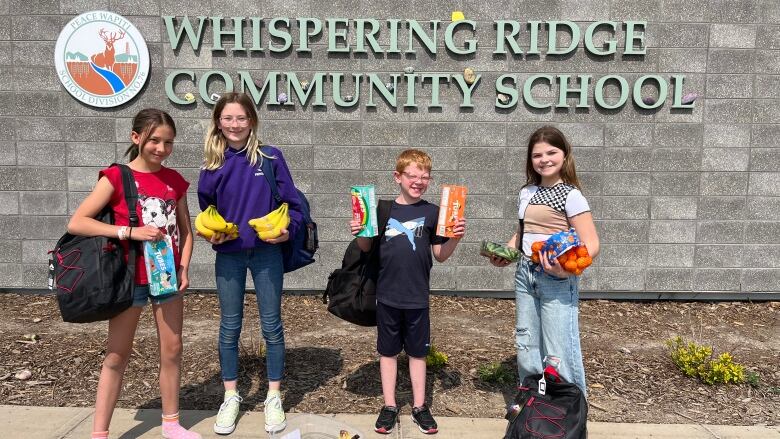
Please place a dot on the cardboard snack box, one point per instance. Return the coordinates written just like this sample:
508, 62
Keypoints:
451, 208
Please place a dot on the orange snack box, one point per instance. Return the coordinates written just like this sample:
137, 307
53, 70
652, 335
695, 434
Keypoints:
451, 208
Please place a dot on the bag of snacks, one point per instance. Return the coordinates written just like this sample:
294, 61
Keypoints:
489, 249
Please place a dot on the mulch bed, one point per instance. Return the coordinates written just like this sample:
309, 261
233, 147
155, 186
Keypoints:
332, 365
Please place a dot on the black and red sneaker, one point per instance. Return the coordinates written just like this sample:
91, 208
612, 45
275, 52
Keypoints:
424, 419
387, 419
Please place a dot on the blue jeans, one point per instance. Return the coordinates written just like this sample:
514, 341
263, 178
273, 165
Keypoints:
547, 323
265, 265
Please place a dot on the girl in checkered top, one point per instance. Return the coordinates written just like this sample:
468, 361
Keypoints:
547, 299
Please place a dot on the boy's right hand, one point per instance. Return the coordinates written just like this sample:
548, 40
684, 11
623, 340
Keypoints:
355, 227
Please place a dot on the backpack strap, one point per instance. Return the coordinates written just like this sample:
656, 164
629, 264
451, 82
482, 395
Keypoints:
131, 194
270, 175
131, 199
383, 215
520, 232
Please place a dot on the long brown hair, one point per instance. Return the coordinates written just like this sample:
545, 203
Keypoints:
554, 137
144, 123
215, 143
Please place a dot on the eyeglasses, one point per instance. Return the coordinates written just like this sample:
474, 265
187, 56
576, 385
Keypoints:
228, 120
422, 178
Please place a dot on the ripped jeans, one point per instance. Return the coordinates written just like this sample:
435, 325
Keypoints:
547, 323
265, 265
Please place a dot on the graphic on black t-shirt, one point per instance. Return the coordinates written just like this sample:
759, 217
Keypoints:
411, 229
405, 255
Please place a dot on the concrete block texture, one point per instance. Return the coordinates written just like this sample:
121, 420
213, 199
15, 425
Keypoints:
733, 35
767, 36
717, 279
731, 61
726, 207
684, 200
730, 86
726, 136
9, 203
669, 279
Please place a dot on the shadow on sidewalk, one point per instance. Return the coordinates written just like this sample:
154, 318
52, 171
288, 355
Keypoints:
366, 381
302, 375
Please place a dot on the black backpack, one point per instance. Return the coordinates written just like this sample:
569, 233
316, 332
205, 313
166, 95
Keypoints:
559, 411
89, 273
351, 291
299, 250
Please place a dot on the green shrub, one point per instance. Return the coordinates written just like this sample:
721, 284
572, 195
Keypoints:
697, 361
753, 378
436, 359
723, 370
495, 373
688, 357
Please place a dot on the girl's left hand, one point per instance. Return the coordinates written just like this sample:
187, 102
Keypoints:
279, 239
553, 268
183, 277
459, 229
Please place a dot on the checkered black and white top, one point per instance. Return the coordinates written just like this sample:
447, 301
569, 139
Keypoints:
546, 210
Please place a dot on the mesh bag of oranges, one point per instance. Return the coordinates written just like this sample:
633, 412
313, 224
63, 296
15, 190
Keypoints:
567, 248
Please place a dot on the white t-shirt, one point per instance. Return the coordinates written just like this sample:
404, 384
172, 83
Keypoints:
546, 210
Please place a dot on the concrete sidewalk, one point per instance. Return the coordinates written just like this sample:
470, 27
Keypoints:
58, 423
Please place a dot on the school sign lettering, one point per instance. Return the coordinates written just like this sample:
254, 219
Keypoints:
93, 70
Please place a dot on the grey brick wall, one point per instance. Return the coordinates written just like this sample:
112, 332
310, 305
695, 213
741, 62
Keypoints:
684, 201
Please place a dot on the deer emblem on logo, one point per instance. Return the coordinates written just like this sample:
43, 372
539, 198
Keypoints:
105, 59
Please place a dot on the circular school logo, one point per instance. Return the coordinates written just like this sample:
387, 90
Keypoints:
102, 59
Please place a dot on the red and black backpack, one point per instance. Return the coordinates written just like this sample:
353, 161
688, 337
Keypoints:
89, 274
547, 407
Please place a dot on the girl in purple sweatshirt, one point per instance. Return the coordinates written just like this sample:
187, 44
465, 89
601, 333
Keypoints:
232, 180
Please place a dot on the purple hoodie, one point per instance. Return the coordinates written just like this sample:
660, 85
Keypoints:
240, 192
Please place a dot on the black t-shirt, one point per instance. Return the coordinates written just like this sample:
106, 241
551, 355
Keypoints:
405, 258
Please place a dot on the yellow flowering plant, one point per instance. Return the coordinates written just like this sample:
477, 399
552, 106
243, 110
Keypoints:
697, 361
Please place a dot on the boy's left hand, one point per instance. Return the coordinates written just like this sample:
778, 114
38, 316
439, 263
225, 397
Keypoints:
279, 239
459, 229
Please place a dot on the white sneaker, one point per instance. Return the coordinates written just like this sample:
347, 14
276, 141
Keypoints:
274, 415
228, 412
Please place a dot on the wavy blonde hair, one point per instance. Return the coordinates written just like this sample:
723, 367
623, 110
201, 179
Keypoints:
215, 142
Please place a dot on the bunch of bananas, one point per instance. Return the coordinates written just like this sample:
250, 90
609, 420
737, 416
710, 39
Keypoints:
271, 225
210, 221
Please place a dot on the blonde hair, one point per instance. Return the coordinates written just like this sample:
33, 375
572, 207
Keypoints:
554, 137
409, 156
215, 142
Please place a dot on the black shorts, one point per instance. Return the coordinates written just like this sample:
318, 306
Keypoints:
402, 329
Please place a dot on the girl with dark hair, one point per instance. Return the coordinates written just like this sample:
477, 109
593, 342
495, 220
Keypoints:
547, 306
232, 180
152, 137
